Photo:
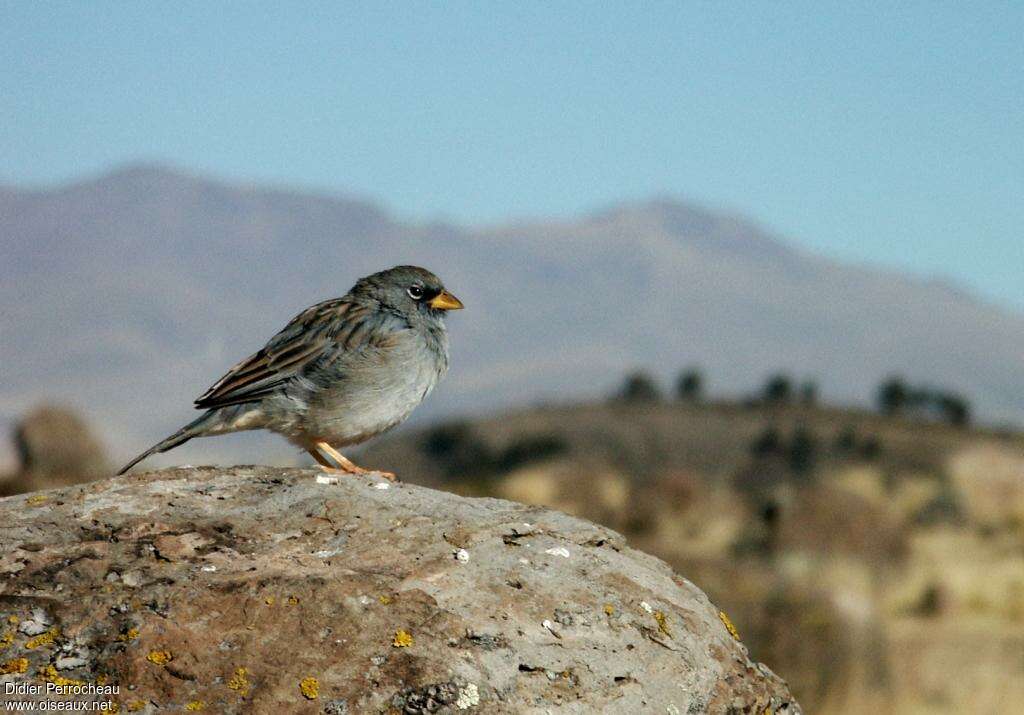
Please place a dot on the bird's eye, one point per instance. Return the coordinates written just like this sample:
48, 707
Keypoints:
415, 292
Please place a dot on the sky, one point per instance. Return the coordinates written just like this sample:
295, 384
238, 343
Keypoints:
885, 135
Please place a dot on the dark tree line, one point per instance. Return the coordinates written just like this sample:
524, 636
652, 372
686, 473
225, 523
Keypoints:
640, 386
781, 389
896, 397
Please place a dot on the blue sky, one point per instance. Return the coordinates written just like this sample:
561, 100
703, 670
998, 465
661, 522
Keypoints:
891, 135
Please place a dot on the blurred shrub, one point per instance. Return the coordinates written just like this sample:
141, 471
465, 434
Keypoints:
465, 455
530, 448
892, 396
638, 386
895, 397
690, 386
930, 603
766, 444
778, 389
802, 454
871, 448
846, 441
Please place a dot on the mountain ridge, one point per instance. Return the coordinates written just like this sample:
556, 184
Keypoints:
128, 293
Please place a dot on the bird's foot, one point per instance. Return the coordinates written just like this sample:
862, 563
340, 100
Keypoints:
390, 476
345, 465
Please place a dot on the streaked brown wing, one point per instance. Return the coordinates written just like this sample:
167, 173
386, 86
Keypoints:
336, 322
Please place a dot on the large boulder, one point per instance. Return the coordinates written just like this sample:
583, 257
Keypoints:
264, 590
55, 447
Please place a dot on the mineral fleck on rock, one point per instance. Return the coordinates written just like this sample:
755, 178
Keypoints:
231, 610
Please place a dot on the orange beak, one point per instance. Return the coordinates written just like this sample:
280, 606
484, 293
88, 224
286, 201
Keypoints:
445, 301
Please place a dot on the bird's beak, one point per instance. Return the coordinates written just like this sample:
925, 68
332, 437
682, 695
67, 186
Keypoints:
445, 301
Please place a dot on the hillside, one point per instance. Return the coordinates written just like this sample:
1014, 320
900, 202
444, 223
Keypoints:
875, 561
127, 294
714, 440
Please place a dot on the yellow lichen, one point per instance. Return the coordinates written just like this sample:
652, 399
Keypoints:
102, 680
293, 601
13, 620
50, 674
269, 600
659, 616
195, 706
609, 609
129, 635
310, 688
239, 682
17, 665
43, 639
402, 639
728, 625
384, 599
37, 500
135, 705
6, 639
160, 657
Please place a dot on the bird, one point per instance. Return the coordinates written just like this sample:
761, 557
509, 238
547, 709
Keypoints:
340, 372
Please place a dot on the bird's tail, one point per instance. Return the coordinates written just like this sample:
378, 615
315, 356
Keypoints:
196, 428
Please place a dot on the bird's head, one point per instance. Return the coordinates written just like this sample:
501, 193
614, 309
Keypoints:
409, 289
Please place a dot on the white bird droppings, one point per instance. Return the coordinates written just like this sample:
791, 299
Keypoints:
646, 606
469, 696
558, 551
381, 485
210, 568
551, 628
461, 555
325, 479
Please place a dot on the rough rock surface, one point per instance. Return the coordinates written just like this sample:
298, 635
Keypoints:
263, 590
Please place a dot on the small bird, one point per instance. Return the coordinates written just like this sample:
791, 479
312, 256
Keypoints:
341, 372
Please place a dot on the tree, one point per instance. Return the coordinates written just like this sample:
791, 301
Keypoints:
954, 408
690, 385
893, 396
639, 386
778, 389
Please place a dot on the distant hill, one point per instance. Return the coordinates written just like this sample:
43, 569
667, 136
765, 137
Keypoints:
653, 440
127, 294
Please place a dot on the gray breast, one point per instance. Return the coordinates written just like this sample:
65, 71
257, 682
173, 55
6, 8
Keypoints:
374, 389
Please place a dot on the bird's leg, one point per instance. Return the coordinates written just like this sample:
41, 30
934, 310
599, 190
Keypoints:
324, 462
346, 465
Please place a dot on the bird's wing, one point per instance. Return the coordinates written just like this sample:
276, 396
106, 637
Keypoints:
337, 325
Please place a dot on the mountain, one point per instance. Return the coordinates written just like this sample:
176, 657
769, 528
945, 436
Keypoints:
128, 294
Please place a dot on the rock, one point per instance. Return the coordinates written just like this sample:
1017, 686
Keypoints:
260, 590
55, 448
